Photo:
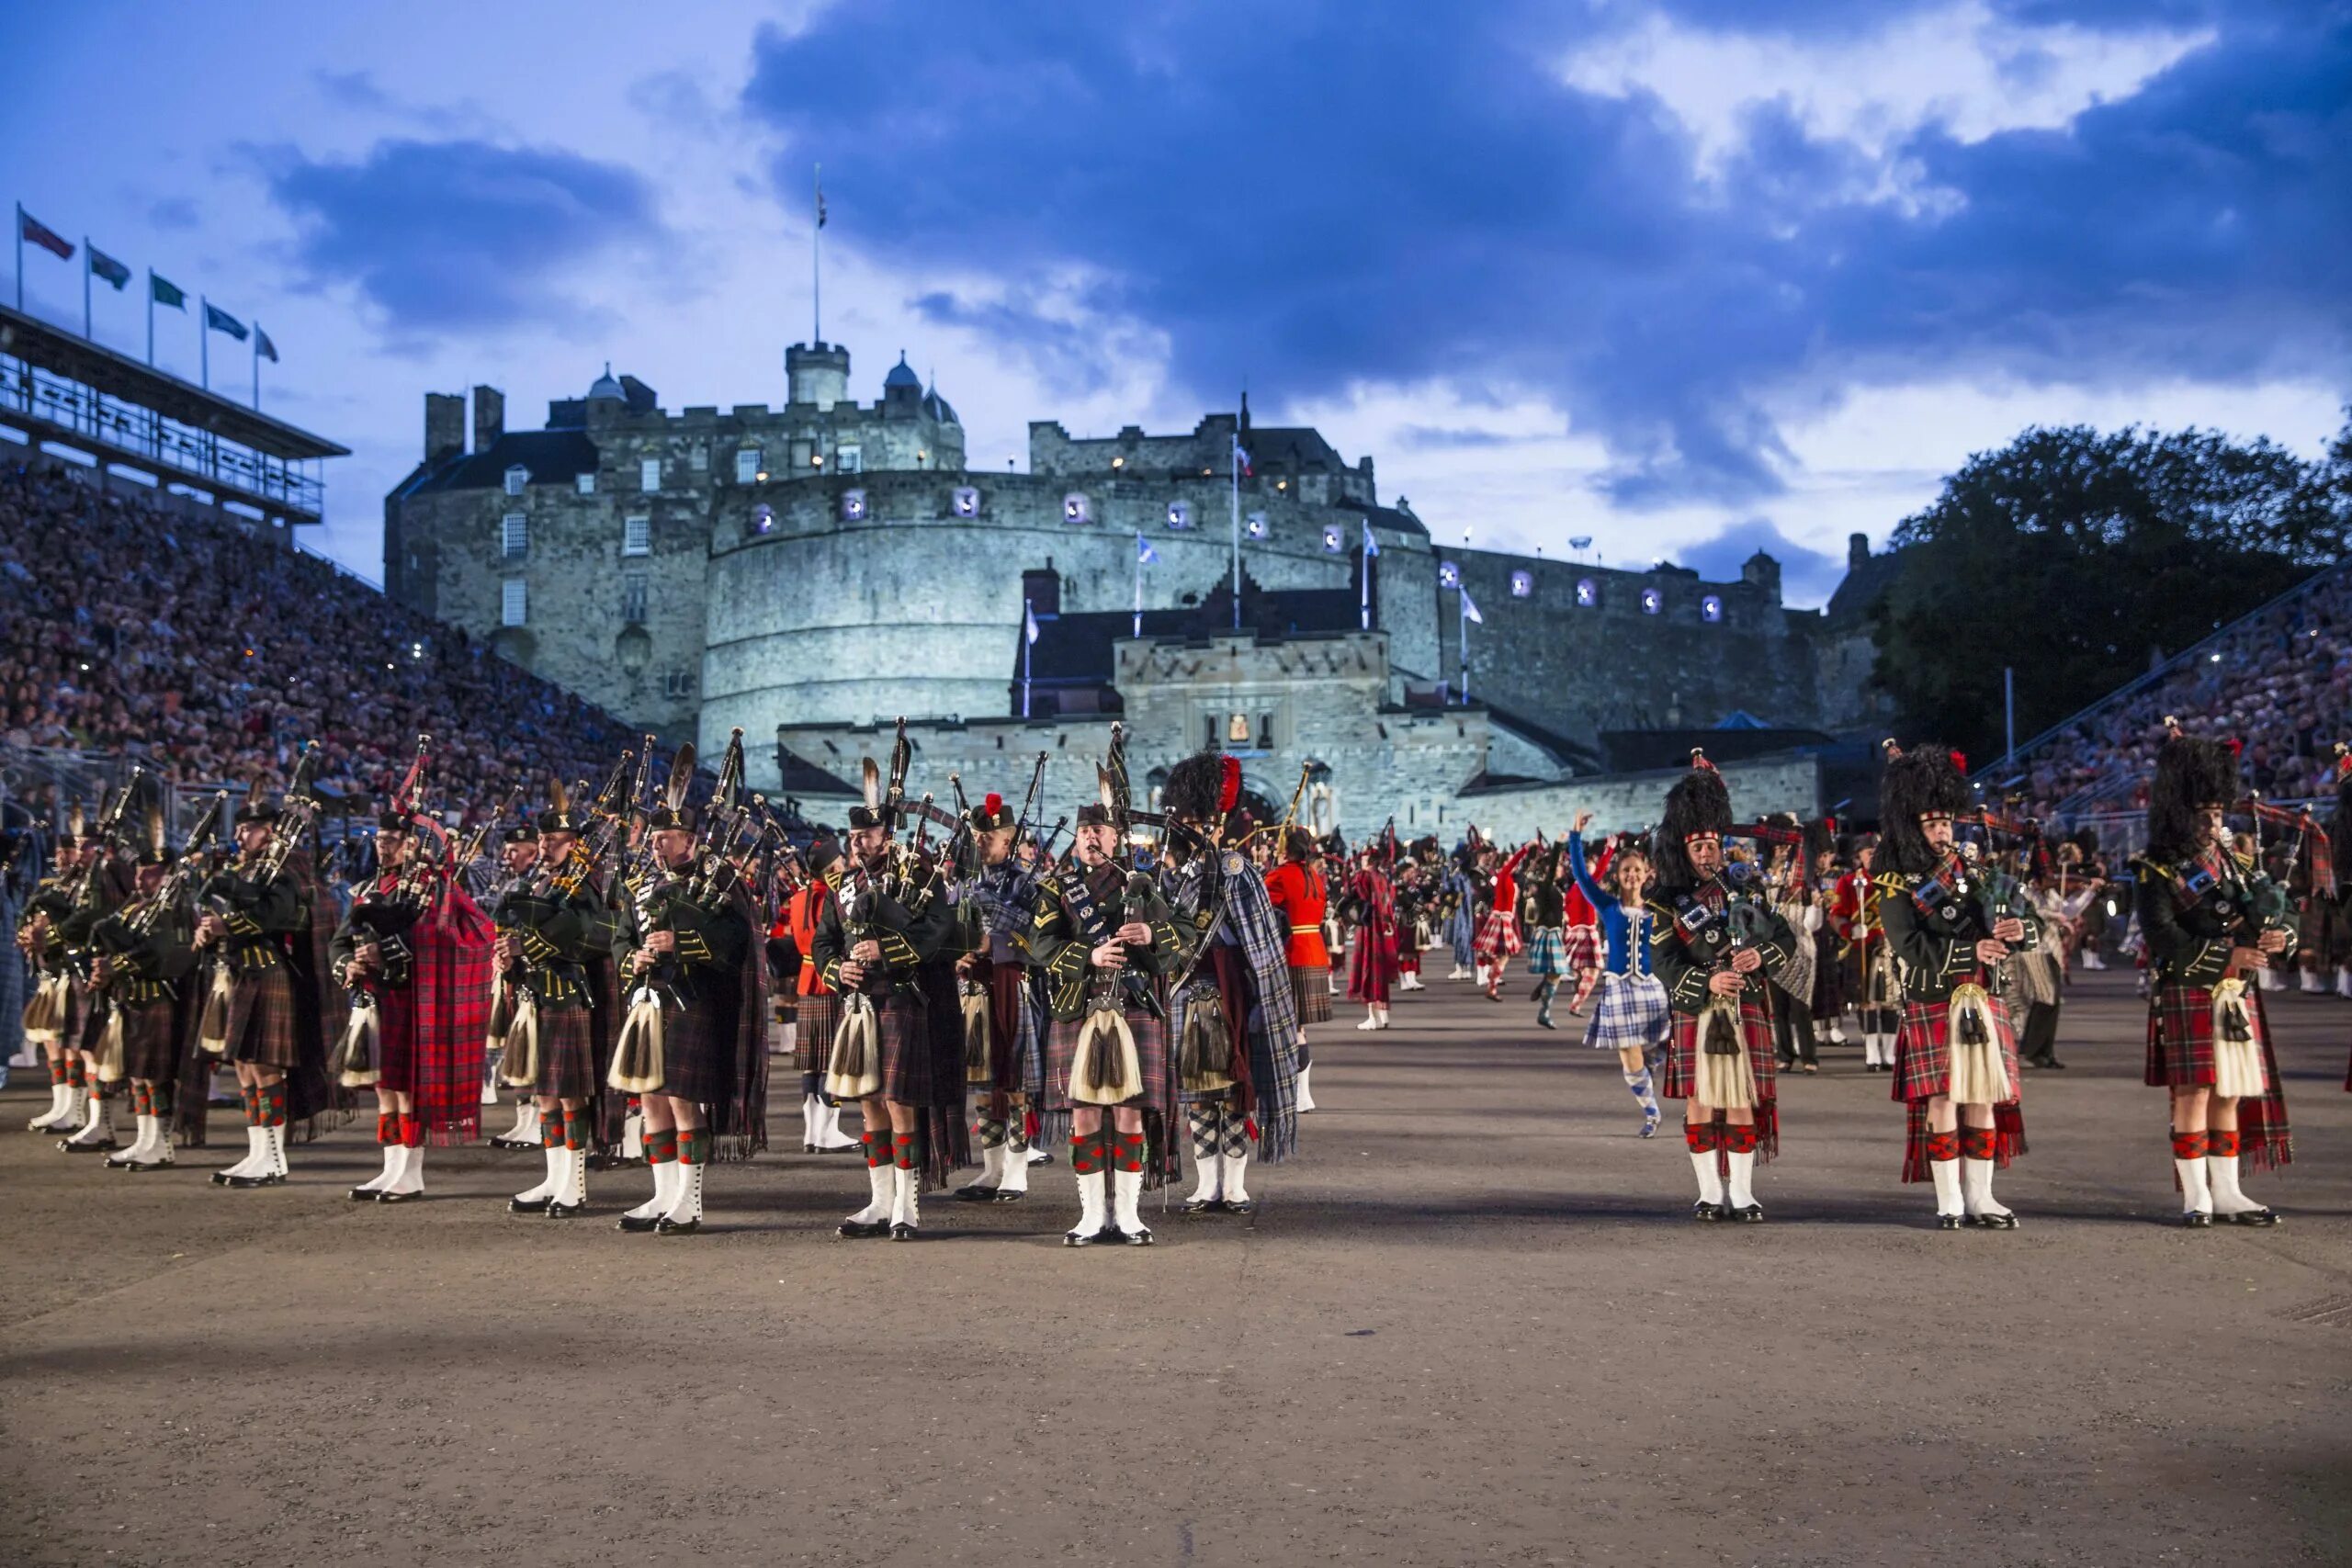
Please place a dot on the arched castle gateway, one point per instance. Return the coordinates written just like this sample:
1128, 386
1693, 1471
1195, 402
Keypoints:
807, 571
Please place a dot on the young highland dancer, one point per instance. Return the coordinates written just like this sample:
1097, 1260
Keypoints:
1633, 1019
1498, 935
1546, 905
1952, 930
140, 979
1003, 1051
1871, 983
554, 954
1301, 898
1234, 1020
2210, 928
1106, 942
1714, 946
1372, 955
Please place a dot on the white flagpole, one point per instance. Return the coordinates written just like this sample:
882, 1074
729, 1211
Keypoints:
1462, 636
204, 340
1367, 586
1028, 619
817, 261
1236, 460
257, 364
151, 315
85, 286
1138, 628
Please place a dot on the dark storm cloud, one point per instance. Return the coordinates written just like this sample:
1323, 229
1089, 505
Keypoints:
1390, 194
444, 235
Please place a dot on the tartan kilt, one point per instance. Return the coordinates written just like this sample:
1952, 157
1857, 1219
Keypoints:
2321, 938
1923, 1050
262, 1022
697, 1052
151, 1044
1754, 1033
396, 1041
1582, 948
568, 1068
89, 1021
2180, 1055
1548, 953
1498, 935
1631, 1016
1153, 1055
1311, 983
902, 1027
815, 1019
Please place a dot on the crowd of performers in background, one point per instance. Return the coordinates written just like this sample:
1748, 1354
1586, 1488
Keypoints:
1132, 988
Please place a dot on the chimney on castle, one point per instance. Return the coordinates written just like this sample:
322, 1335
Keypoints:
444, 426
1857, 550
489, 417
1041, 588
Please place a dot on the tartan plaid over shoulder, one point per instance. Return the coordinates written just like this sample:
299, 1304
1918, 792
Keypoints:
1225, 897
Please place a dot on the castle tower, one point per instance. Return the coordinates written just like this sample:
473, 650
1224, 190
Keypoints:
817, 373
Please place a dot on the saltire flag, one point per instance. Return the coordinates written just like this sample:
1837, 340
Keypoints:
1029, 621
1241, 456
1145, 554
31, 228
163, 291
1470, 608
1371, 545
263, 346
113, 271
220, 321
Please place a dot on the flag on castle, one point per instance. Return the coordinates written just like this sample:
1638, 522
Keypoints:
1470, 608
1145, 554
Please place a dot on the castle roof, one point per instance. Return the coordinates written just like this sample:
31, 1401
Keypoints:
605, 386
903, 374
1074, 651
1385, 517
553, 457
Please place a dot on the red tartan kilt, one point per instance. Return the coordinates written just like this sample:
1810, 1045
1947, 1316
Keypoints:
1754, 1033
396, 1041
1497, 934
1581, 948
2181, 1034
1923, 1051
568, 1068
902, 1023
150, 1047
261, 1020
1312, 986
812, 1040
1372, 964
1151, 1053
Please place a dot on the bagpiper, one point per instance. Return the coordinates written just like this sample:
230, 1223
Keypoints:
1003, 1055
2211, 925
1713, 941
146, 950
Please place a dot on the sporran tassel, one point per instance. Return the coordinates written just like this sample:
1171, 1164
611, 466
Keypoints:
357, 1062
637, 1057
518, 1060
854, 1069
1106, 1069
212, 1033
1205, 1055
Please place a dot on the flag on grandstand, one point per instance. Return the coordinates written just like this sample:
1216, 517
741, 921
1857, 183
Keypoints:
263, 346
1145, 554
220, 321
163, 291
31, 228
105, 267
1470, 608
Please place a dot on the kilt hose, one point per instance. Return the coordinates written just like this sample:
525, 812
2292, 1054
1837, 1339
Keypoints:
1923, 1071
815, 1020
2180, 1055
1311, 983
1547, 955
1681, 1073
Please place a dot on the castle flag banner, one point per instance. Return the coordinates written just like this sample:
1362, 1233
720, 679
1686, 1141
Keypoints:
1470, 608
220, 321
1145, 554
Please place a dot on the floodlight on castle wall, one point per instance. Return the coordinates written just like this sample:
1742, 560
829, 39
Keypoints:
1334, 541
1448, 575
967, 501
853, 506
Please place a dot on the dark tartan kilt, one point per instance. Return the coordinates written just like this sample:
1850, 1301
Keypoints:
696, 1054
812, 1038
568, 1068
88, 1021
903, 1021
1152, 1055
1547, 951
1754, 1033
151, 1046
2181, 1034
1923, 1051
1312, 985
261, 1020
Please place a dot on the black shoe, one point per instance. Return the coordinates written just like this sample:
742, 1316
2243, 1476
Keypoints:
1949, 1221
903, 1233
1201, 1206
1993, 1221
516, 1145
862, 1230
2055, 1062
519, 1205
976, 1193
636, 1226
357, 1194
1087, 1239
1139, 1236
603, 1162
1752, 1215
665, 1225
556, 1211
1246, 1206
1007, 1195
1702, 1210
2197, 1218
1537, 994
152, 1165
1047, 1160
2260, 1219
400, 1197
1784, 1063
271, 1180
71, 1147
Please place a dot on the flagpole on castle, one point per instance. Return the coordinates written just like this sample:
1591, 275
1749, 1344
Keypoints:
1237, 532
151, 315
1138, 627
85, 286
257, 364
817, 261
1028, 636
21, 257
204, 341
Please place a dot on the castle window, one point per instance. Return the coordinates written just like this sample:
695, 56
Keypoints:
1210, 739
1334, 541
648, 474
584, 484
747, 465
1448, 575
849, 459
634, 591
517, 477
967, 501
1236, 729
637, 536
1256, 523
853, 506
513, 602
1180, 514
698, 457
677, 684
1075, 508
513, 536
1265, 732
1523, 583
1711, 608
1652, 601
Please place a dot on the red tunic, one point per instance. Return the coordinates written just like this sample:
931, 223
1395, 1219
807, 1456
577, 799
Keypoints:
1299, 894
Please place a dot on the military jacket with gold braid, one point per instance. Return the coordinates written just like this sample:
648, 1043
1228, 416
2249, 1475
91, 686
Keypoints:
2192, 914
711, 942
1692, 938
1933, 924
1057, 940
908, 940
558, 934
256, 914
147, 968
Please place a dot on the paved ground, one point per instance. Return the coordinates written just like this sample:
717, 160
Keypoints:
1472, 1326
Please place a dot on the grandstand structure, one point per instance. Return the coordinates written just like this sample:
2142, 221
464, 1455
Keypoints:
83, 401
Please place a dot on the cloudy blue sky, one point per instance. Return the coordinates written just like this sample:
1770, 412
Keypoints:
1687, 277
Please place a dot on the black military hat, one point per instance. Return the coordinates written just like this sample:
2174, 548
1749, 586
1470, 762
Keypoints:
519, 833
1094, 813
671, 819
558, 817
990, 816
823, 855
1925, 781
395, 822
